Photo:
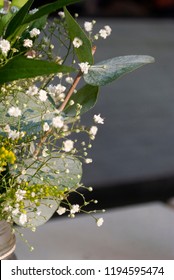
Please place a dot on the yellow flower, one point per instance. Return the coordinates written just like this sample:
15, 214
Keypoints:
6, 157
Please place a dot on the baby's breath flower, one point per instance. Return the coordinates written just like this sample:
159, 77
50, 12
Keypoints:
58, 122
105, 32
69, 80
33, 11
42, 95
84, 67
68, 145
75, 208
23, 219
34, 32
77, 42
28, 43
46, 126
32, 90
88, 160
14, 112
93, 130
88, 26
61, 210
61, 14
100, 222
98, 119
4, 46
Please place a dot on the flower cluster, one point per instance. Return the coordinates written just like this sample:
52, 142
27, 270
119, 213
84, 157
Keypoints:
41, 103
41, 164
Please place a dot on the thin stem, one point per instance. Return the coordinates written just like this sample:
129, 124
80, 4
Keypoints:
73, 87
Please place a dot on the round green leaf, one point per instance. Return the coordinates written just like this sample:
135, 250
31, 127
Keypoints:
109, 70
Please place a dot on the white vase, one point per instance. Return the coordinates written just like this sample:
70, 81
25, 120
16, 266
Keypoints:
7, 241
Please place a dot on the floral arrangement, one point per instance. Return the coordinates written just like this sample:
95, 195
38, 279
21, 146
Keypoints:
42, 61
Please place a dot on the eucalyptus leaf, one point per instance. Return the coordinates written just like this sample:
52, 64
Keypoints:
52, 171
19, 67
84, 52
86, 96
109, 70
44, 209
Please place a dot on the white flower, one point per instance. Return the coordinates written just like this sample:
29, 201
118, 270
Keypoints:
14, 112
68, 145
77, 42
104, 33
108, 29
34, 32
28, 43
56, 90
15, 211
4, 46
33, 90
88, 26
14, 9
13, 134
20, 195
42, 95
84, 67
61, 210
61, 14
75, 208
44, 152
69, 80
93, 130
23, 219
33, 11
57, 122
46, 126
7, 128
99, 222
88, 160
98, 119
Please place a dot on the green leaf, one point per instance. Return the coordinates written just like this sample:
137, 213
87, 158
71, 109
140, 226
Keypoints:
49, 8
20, 67
18, 18
52, 170
84, 52
1, 3
86, 96
3, 22
109, 70
18, 3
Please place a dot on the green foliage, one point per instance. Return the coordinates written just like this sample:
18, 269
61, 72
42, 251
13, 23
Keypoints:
84, 52
86, 97
109, 70
18, 19
52, 171
48, 9
20, 67
18, 3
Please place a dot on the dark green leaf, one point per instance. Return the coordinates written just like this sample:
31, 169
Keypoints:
86, 96
20, 67
109, 70
84, 52
18, 18
49, 8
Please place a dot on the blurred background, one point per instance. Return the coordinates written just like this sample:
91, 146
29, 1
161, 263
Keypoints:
133, 155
